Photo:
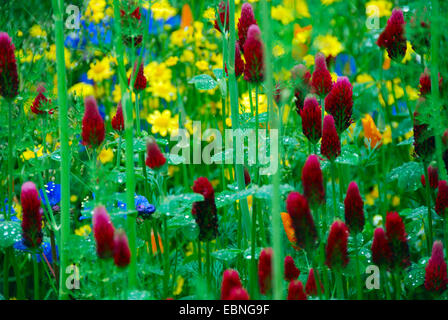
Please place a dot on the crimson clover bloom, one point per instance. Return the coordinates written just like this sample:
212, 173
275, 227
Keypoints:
312, 120
247, 19
117, 119
31, 215
321, 81
291, 271
205, 212
154, 157
354, 208
9, 79
230, 280
265, 270
254, 56
336, 256
295, 291
122, 254
93, 131
381, 253
331, 145
312, 180
103, 231
436, 276
392, 38
339, 103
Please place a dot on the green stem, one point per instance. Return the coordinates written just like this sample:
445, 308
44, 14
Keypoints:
253, 245
339, 284
428, 204
119, 150
129, 137
397, 278
6, 275
36, 277
208, 263
435, 94
358, 270
199, 258
65, 151
233, 89
166, 252
333, 189
274, 125
10, 162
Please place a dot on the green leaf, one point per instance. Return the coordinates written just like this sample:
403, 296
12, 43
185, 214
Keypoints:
175, 159
349, 156
228, 197
219, 73
227, 255
416, 274
10, 232
407, 176
203, 82
177, 204
265, 192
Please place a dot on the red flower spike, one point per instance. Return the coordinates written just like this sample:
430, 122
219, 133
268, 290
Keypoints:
311, 286
436, 275
302, 220
392, 38
39, 102
339, 103
381, 253
140, 81
331, 145
312, 180
239, 63
92, 124
254, 56
425, 83
247, 179
224, 16
265, 270
336, 249
291, 271
31, 215
205, 212
9, 79
154, 157
312, 120
230, 280
103, 231
247, 19
295, 291
442, 199
301, 78
321, 81
122, 254
117, 119
424, 141
433, 176
354, 208
397, 239
238, 294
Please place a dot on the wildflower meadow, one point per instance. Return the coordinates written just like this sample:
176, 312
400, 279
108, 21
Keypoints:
223, 150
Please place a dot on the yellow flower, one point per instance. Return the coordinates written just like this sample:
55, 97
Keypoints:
100, 70
371, 133
278, 51
372, 196
30, 154
300, 6
328, 2
202, 65
245, 103
83, 231
387, 135
179, 285
95, 10
106, 155
36, 31
328, 45
187, 56
171, 61
19, 33
395, 201
73, 198
409, 51
209, 14
162, 123
82, 90
282, 14
334, 76
163, 10
384, 7
309, 60
365, 78
413, 94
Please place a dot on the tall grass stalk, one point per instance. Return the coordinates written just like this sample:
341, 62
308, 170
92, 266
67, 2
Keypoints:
274, 123
58, 5
129, 138
233, 91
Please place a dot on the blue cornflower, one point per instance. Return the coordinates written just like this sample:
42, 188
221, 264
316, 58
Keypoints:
345, 65
53, 191
142, 205
46, 250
